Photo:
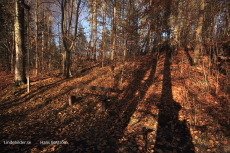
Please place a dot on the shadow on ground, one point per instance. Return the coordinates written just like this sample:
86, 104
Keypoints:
172, 134
87, 131
30, 125
104, 133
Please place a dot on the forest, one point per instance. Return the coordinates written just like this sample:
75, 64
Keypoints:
115, 76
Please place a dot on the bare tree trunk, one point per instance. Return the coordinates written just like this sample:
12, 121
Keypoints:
177, 27
67, 74
228, 17
103, 35
36, 39
48, 44
199, 32
12, 58
64, 39
42, 55
95, 29
148, 37
114, 30
123, 60
68, 39
63, 61
12, 61
20, 75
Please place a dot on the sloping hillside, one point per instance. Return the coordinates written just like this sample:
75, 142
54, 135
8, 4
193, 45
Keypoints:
166, 105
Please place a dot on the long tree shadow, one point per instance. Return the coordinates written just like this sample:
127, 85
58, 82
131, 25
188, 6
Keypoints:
138, 85
104, 134
6, 104
10, 103
39, 127
68, 89
172, 134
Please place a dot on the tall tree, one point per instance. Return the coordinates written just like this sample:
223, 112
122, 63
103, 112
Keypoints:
36, 37
103, 33
95, 29
176, 33
20, 73
199, 31
114, 29
68, 33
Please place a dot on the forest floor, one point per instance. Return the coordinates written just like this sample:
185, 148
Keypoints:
166, 106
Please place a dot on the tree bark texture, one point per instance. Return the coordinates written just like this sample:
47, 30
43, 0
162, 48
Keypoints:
198, 40
20, 74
